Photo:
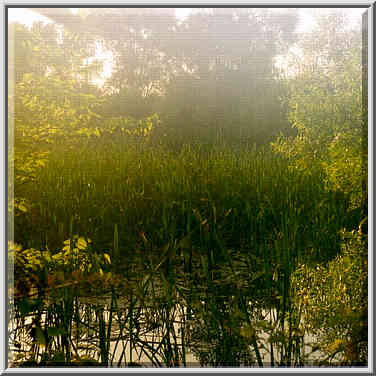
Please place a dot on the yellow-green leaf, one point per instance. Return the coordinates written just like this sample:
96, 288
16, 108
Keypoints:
81, 243
21, 207
107, 258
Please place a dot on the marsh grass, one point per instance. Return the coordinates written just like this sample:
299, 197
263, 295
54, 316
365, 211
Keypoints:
204, 239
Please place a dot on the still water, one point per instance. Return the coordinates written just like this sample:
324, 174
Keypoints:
125, 334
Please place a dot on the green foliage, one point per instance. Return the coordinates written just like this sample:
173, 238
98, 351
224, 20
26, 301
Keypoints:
44, 121
43, 117
76, 255
135, 186
42, 269
29, 269
47, 49
332, 299
325, 108
346, 167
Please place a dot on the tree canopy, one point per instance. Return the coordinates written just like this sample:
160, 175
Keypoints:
215, 66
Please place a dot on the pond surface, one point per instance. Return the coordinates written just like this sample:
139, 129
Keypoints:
117, 331
159, 317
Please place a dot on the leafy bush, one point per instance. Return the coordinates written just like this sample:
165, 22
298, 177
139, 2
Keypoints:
42, 268
325, 109
333, 301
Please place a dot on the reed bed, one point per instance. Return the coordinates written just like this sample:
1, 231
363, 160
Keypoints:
204, 240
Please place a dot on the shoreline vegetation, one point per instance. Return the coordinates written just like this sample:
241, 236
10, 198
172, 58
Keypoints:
175, 237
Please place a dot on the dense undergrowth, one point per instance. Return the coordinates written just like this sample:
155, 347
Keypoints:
250, 199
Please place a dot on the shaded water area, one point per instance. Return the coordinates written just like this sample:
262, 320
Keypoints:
159, 316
